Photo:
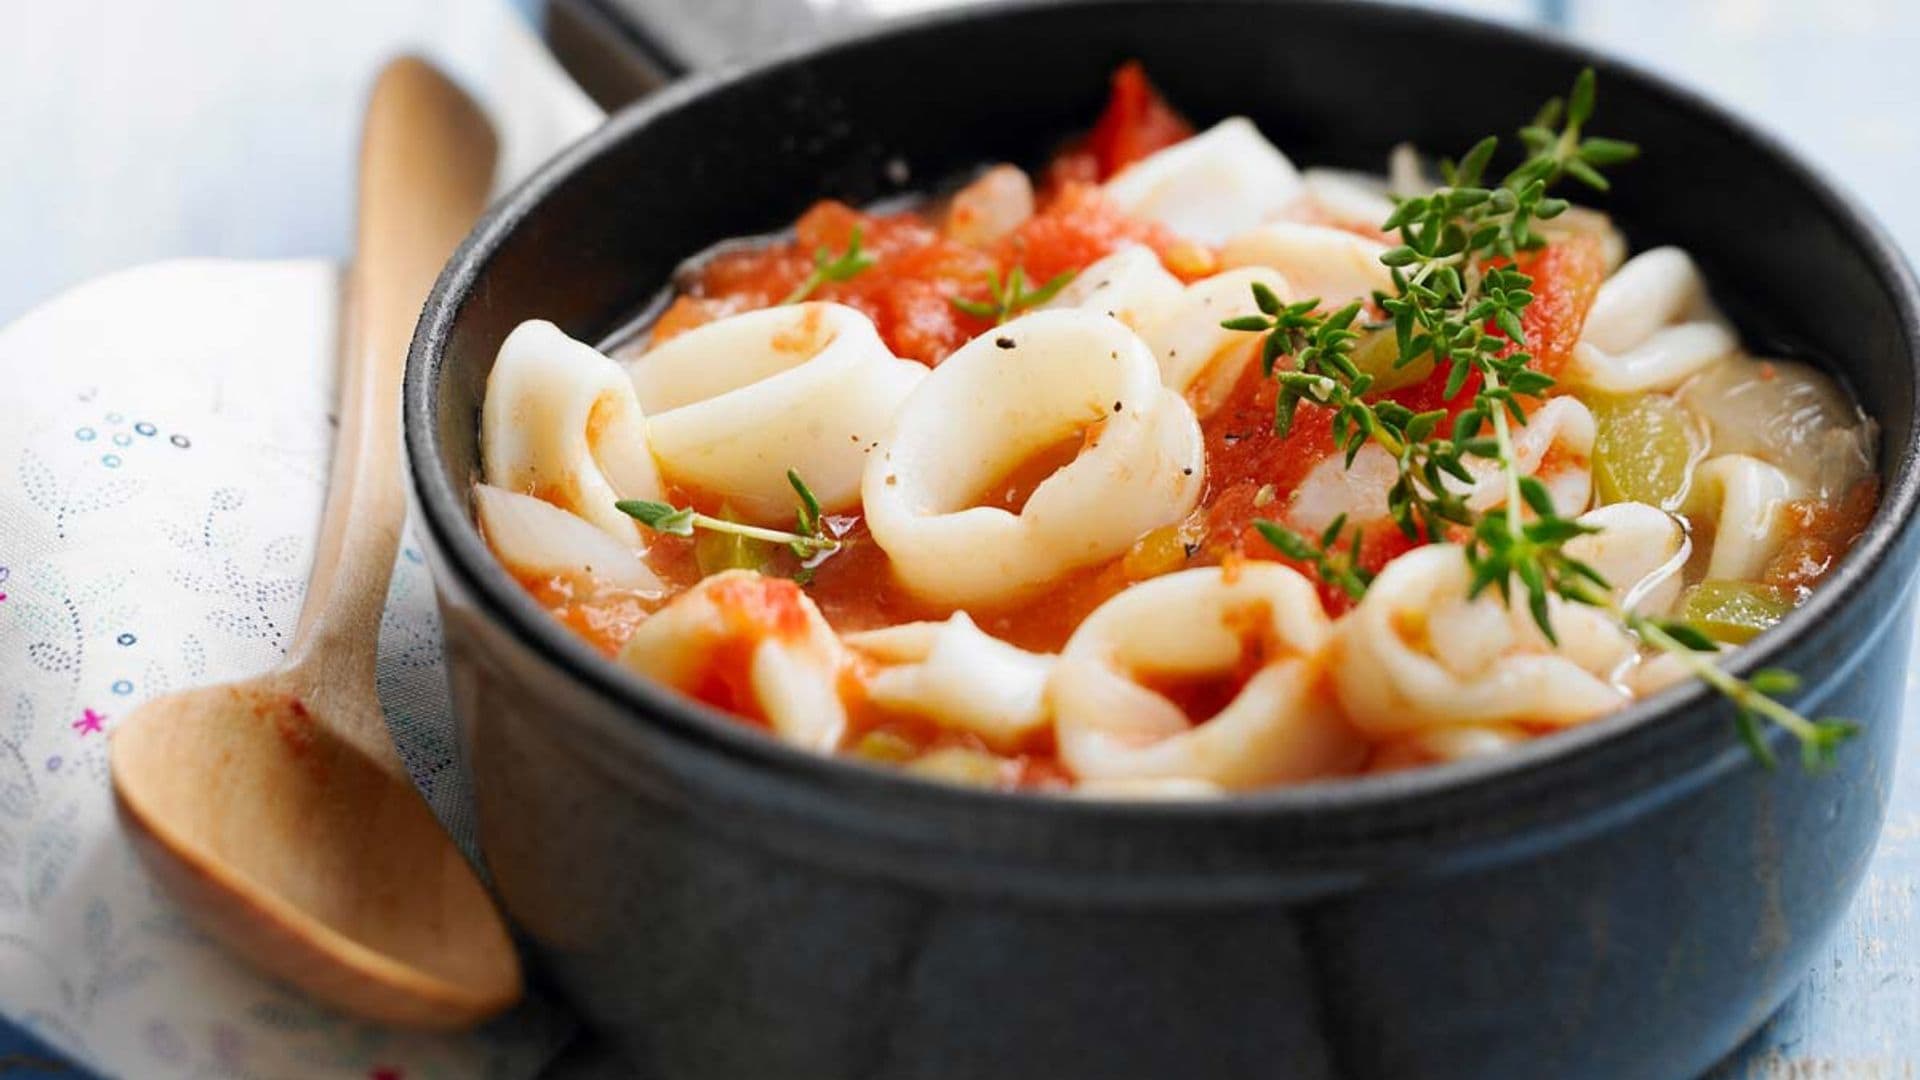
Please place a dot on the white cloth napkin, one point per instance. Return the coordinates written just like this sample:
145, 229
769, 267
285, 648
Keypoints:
164, 439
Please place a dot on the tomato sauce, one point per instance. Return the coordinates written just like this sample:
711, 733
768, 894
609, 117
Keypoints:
1818, 533
604, 617
1011, 491
1204, 695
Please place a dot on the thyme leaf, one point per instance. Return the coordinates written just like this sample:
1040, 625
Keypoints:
659, 516
809, 541
1336, 566
830, 267
1009, 296
808, 522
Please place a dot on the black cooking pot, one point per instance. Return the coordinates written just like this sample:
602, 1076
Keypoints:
1630, 898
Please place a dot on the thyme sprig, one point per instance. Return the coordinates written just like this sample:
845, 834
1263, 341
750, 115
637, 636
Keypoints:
1336, 565
1009, 296
828, 266
810, 540
1755, 700
1459, 297
1420, 501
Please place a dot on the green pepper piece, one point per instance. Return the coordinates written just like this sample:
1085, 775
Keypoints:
1733, 611
1643, 451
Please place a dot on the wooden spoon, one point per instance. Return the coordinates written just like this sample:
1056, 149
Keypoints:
277, 809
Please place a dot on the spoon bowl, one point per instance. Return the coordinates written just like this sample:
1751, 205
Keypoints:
311, 855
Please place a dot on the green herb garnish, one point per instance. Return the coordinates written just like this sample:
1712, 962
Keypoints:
1336, 566
808, 521
1010, 296
830, 267
716, 552
1458, 298
811, 540
1755, 699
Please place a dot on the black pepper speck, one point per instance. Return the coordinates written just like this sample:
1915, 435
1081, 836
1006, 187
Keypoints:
1004, 342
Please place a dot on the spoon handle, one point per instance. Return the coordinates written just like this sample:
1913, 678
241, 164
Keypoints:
426, 161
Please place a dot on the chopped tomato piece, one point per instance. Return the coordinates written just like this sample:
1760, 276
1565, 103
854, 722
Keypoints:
1431, 393
1252, 472
605, 617
1079, 226
1566, 277
1242, 446
726, 681
756, 606
829, 223
1818, 533
753, 609
1137, 122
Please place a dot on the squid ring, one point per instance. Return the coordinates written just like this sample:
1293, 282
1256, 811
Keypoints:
1418, 654
1205, 623
738, 402
995, 404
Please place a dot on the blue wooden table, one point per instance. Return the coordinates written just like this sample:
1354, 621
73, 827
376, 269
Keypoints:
136, 131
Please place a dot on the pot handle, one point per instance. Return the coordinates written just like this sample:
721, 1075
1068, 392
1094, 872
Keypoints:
620, 50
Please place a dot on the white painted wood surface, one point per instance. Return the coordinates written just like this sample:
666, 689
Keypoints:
137, 130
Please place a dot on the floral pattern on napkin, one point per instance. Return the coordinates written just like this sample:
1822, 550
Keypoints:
164, 434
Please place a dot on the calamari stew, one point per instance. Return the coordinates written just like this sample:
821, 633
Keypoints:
1174, 469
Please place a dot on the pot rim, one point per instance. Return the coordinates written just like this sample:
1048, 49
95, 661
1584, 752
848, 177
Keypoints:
1643, 731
